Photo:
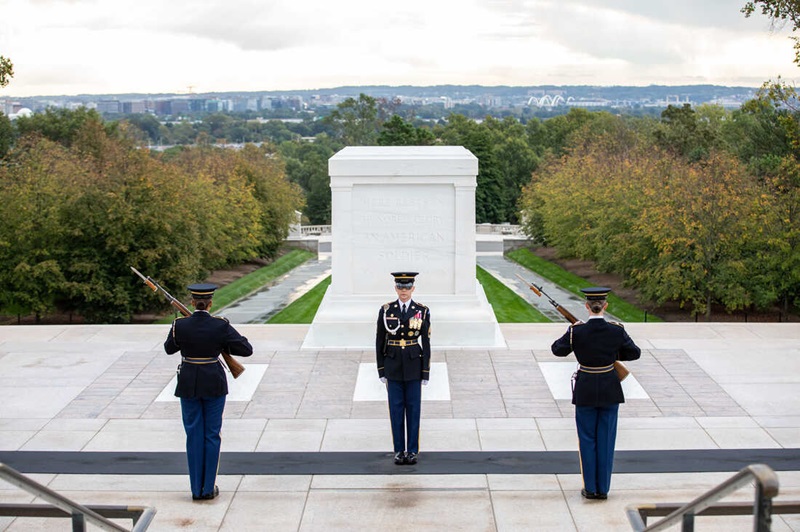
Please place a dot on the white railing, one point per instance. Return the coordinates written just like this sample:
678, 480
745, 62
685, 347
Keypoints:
481, 229
315, 230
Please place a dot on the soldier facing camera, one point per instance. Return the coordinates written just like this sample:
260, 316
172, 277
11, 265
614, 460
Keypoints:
403, 351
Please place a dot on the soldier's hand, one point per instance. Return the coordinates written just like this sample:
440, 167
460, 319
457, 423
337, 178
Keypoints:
383, 380
424, 383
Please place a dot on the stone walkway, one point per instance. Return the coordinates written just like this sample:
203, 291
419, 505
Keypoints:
102, 390
259, 307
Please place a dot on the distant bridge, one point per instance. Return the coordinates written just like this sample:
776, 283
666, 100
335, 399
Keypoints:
549, 101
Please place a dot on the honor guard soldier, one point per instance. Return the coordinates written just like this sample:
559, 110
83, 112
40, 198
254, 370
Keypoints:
202, 385
597, 391
403, 350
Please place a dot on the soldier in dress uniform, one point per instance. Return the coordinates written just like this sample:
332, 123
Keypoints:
597, 391
202, 385
403, 350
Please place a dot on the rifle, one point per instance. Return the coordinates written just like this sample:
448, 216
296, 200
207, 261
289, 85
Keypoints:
619, 367
234, 366
539, 292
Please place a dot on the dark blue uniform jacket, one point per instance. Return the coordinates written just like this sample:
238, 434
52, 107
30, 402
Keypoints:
597, 343
202, 335
404, 363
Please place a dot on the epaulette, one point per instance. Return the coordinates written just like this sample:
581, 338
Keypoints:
420, 305
577, 323
618, 324
226, 320
386, 306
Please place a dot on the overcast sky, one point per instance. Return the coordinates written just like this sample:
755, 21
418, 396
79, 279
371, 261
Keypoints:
174, 46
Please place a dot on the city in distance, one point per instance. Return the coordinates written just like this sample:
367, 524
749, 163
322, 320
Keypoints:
466, 99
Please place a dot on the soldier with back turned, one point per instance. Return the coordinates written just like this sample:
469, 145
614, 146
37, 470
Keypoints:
597, 391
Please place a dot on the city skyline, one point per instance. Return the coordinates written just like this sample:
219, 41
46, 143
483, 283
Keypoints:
65, 47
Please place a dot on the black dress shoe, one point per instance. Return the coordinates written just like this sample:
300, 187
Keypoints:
411, 458
601, 496
207, 496
399, 458
588, 494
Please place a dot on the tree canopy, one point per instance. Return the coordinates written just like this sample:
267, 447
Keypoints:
81, 203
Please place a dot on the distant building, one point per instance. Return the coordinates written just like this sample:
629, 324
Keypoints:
109, 107
130, 108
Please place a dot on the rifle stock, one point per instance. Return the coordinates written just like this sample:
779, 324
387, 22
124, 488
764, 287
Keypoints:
234, 366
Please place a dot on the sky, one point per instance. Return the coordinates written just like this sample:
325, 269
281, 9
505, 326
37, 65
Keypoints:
67, 47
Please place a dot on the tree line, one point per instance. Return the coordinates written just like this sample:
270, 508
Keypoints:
81, 202
698, 206
701, 207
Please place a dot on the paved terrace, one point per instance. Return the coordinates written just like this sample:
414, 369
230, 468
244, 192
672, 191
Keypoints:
87, 411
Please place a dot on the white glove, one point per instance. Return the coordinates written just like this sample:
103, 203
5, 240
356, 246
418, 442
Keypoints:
424, 383
383, 380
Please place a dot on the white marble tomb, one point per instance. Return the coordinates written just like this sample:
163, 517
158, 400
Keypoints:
403, 209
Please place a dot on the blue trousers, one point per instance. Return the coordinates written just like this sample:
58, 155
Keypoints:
405, 405
597, 434
202, 421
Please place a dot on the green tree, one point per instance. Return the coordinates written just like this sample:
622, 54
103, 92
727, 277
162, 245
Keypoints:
149, 125
398, 132
779, 12
703, 225
307, 165
58, 125
554, 133
691, 133
6, 135
6, 71
492, 196
356, 122
32, 188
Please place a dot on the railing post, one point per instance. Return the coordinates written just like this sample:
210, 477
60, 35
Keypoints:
688, 522
763, 511
78, 522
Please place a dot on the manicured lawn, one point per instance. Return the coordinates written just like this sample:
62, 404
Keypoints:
303, 309
555, 273
507, 305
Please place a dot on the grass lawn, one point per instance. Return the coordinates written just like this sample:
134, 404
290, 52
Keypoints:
303, 309
507, 305
555, 273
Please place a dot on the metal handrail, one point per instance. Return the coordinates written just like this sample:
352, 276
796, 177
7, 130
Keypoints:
142, 516
766, 488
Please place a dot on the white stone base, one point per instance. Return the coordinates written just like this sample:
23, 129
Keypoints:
457, 321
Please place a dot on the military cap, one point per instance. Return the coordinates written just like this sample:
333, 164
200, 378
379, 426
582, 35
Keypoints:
404, 279
595, 293
202, 290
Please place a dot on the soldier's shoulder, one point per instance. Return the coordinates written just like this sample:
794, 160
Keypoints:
577, 324
420, 305
223, 318
618, 324
385, 306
